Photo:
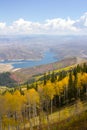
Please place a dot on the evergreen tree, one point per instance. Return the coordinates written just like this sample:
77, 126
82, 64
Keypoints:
48, 76
75, 72
84, 67
45, 79
62, 75
78, 68
75, 84
27, 86
36, 86
70, 87
53, 77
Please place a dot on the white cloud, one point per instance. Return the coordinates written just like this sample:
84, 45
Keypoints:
59, 25
24, 27
2, 25
81, 24
50, 26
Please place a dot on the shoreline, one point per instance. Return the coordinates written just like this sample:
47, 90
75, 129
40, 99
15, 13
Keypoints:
19, 60
7, 68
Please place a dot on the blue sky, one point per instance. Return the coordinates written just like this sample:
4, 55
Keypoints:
38, 11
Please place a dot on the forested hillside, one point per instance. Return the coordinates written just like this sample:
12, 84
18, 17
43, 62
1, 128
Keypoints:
54, 98
6, 80
24, 74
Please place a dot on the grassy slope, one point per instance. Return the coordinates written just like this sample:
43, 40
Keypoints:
64, 118
75, 123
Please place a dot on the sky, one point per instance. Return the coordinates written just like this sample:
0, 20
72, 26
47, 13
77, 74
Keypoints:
61, 17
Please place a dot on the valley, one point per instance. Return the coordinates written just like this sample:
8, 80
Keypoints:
34, 47
57, 100
43, 65
44, 79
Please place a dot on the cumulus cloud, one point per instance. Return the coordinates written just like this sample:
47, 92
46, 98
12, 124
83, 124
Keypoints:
51, 26
24, 27
59, 25
81, 22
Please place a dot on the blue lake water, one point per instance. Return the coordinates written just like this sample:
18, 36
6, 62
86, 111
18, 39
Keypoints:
48, 58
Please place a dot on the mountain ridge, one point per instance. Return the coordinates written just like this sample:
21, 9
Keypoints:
27, 73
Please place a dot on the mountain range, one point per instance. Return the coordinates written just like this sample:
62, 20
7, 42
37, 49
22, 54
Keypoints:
33, 47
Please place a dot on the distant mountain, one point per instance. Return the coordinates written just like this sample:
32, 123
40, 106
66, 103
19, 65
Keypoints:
34, 46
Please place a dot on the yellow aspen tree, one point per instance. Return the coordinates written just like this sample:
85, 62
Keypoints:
49, 92
79, 84
2, 110
41, 104
59, 90
84, 81
9, 109
32, 98
13, 105
65, 86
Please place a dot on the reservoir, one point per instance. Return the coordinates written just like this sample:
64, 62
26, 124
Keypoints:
47, 58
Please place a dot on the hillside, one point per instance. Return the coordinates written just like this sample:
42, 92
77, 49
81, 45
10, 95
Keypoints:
76, 122
6, 80
22, 75
34, 73
58, 102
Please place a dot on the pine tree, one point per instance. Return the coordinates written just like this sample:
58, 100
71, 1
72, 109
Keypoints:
70, 87
53, 77
84, 67
78, 68
62, 75
75, 86
27, 86
45, 79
